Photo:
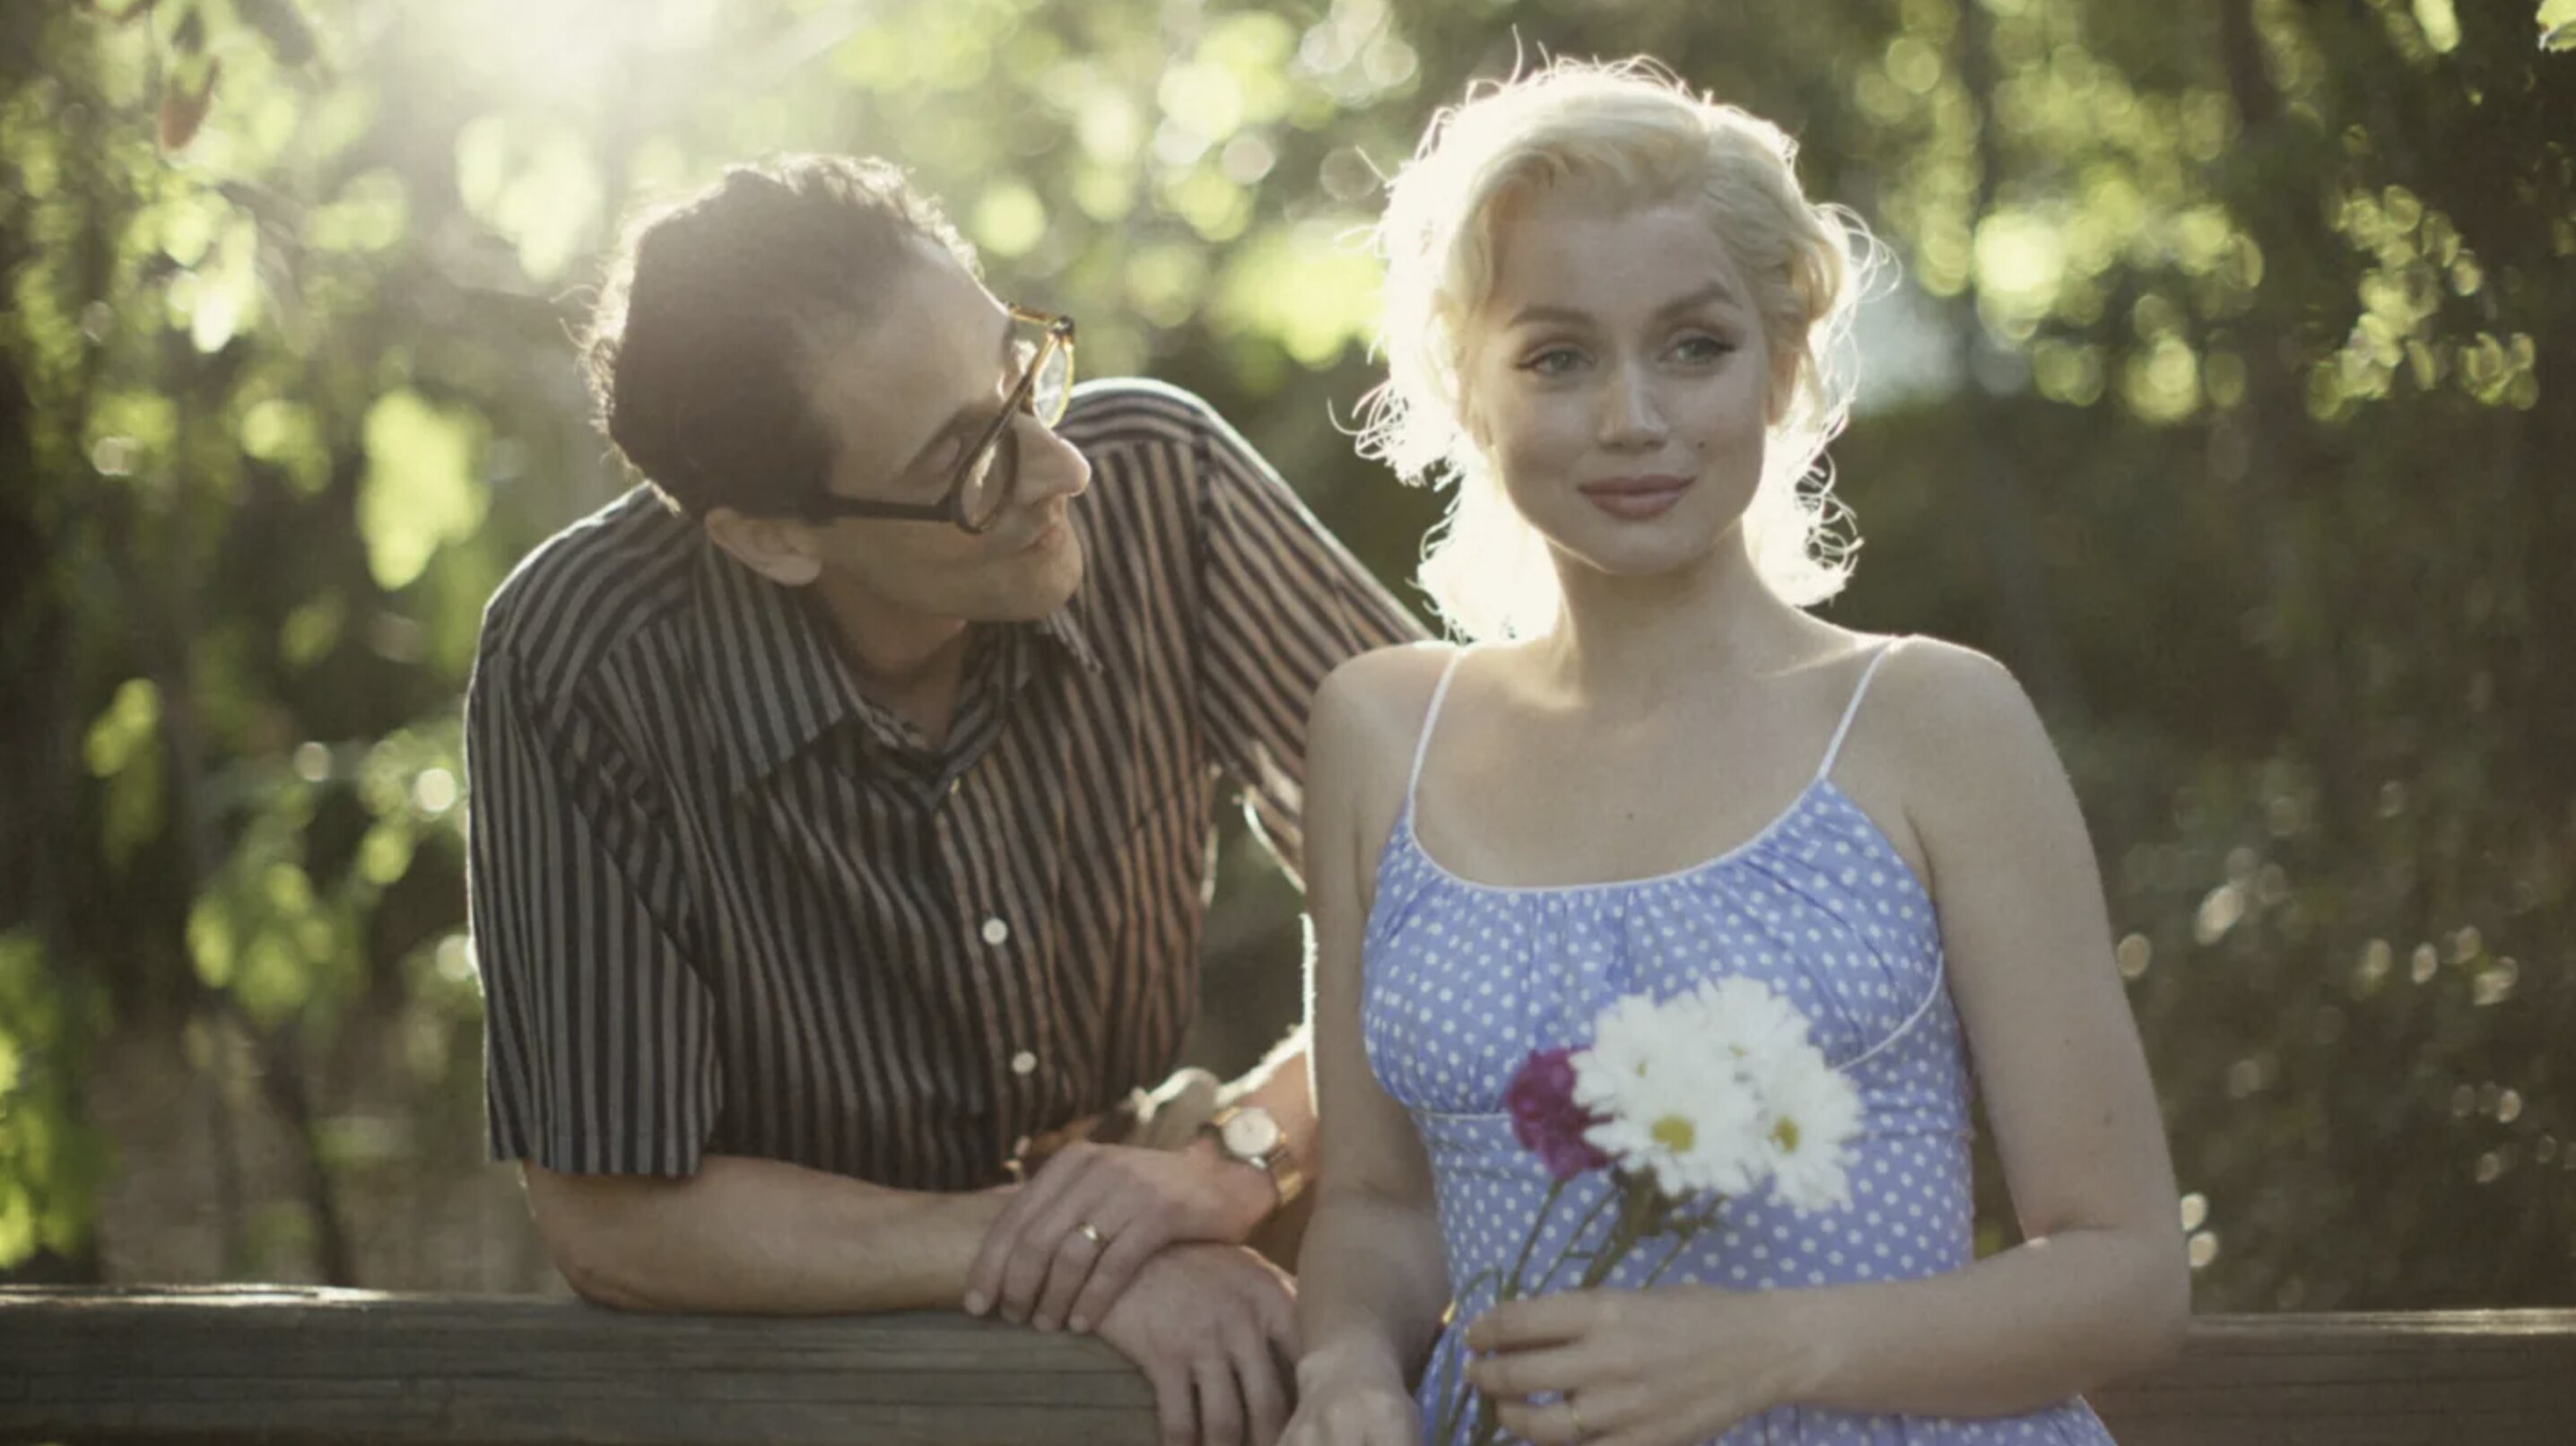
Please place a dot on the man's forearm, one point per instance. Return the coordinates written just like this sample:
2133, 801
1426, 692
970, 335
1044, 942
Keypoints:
1280, 1085
758, 1236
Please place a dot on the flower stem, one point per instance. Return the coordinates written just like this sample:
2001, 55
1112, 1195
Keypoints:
1685, 1229
1574, 1238
1529, 1242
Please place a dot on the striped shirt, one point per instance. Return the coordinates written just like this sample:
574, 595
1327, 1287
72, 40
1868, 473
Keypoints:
722, 902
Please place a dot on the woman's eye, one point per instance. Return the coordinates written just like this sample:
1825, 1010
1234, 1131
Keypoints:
1554, 362
1702, 348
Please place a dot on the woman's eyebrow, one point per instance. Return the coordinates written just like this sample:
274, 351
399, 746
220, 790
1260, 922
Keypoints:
1550, 315
1715, 292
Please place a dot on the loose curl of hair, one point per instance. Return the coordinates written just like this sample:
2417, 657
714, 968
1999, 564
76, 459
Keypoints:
701, 348
1637, 131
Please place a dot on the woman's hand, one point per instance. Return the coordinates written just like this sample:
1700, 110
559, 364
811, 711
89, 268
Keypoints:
1663, 1367
1350, 1401
1069, 1242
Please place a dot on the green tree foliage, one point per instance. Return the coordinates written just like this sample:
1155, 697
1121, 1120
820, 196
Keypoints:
2230, 433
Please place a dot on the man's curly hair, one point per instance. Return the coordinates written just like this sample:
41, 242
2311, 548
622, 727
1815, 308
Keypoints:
701, 349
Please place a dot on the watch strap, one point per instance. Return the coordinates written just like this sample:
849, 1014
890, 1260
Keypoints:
1278, 1162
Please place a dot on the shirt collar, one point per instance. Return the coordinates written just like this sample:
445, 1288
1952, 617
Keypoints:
774, 681
1067, 632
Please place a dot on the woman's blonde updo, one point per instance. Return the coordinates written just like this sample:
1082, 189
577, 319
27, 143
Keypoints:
1643, 136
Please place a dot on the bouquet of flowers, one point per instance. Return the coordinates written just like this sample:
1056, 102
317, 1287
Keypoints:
1687, 1102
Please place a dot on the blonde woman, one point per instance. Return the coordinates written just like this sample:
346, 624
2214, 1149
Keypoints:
1609, 308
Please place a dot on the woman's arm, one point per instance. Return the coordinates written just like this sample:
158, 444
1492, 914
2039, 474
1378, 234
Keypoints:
1372, 1284
2100, 1288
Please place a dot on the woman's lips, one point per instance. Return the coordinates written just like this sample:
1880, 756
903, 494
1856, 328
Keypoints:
1635, 498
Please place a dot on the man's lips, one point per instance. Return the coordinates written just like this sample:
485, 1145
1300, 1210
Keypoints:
1045, 533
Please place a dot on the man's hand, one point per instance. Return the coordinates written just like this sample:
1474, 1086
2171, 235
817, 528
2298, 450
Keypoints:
1210, 1326
1040, 1264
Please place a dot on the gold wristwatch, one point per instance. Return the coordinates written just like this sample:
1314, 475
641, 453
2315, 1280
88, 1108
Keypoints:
1248, 1133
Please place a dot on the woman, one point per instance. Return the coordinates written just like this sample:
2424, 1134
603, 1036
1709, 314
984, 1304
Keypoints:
1607, 310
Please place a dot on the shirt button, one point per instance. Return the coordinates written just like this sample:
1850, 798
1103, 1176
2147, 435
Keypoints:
955, 784
997, 932
1023, 1062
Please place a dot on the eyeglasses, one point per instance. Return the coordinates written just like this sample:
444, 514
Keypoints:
990, 474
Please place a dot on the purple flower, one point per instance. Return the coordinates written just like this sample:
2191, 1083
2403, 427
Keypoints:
1545, 1118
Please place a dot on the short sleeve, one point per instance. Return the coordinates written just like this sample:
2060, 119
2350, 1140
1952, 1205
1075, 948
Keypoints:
1284, 604
599, 1049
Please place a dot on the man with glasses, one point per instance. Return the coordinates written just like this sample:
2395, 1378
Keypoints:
842, 803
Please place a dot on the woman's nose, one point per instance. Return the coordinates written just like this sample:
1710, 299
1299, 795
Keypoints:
1629, 416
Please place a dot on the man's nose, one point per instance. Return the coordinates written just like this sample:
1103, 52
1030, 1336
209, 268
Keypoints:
1049, 465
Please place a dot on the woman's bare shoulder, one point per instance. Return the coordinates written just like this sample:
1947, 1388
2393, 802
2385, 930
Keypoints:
1383, 693
1964, 742
1951, 696
1368, 713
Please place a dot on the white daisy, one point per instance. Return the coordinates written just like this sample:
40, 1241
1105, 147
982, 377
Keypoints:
1812, 1112
1672, 1105
1628, 1041
1694, 1123
1715, 1091
1749, 1020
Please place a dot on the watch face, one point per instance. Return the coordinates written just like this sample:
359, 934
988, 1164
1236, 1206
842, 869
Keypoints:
1251, 1133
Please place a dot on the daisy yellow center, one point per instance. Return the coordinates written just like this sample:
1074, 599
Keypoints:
1675, 1133
1786, 1132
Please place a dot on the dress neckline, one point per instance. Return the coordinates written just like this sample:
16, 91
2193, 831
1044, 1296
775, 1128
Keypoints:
1413, 838
1822, 782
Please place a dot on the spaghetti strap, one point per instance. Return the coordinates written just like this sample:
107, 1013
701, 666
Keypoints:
1834, 749
1422, 746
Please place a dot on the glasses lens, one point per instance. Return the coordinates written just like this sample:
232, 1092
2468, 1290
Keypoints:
988, 482
1054, 385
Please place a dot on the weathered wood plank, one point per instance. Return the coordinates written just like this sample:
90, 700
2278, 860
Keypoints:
313, 1366
286, 1367
2494, 1378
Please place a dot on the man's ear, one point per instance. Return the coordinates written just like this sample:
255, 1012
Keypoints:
779, 550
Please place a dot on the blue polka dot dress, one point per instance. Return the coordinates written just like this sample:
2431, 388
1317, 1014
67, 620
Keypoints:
1462, 981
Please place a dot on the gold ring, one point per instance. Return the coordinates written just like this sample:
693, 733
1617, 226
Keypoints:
1091, 1232
1575, 1416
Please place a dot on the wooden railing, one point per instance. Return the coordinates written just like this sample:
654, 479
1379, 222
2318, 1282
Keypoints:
291, 1366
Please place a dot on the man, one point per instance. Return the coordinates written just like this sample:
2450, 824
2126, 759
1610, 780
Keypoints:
842, 802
